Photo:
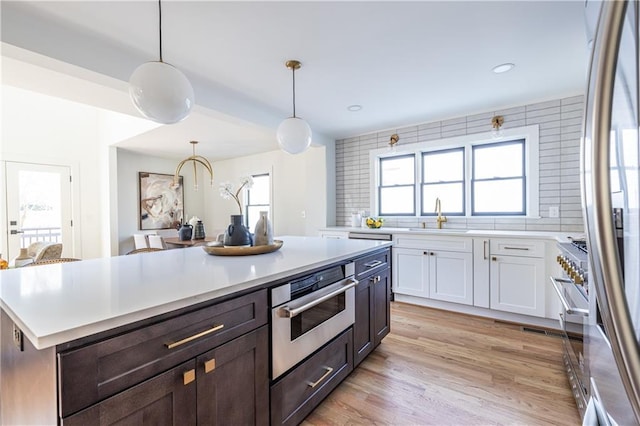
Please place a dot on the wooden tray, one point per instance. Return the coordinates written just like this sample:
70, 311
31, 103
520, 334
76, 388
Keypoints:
218, 249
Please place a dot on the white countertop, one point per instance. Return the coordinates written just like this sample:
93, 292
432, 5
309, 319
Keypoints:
54, 304
559, 236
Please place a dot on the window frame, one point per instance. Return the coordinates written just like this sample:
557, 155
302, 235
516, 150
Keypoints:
380, 187
531, 135
472, 178
247, 199
463, 181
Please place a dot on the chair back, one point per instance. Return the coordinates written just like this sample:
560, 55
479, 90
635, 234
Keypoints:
140, 241
42, 250
156, 241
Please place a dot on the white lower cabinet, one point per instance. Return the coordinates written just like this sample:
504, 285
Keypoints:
451, 276
435, 274
517, 281
410, 272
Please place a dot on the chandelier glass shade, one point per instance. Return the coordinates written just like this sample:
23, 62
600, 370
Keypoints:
294, 134
160, 91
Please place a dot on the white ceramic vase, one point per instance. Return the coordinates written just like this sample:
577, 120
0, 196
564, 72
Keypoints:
22, 259
263, 233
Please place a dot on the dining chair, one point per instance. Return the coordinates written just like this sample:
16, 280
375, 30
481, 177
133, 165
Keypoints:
140, 241
156, 241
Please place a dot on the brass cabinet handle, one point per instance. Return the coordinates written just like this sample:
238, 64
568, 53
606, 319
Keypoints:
194, 337
516, 248
495, 259
210, 365
188, 376
328, 371
432, 254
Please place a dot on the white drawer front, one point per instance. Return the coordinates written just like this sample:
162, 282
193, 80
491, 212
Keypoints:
431, 242
520, 247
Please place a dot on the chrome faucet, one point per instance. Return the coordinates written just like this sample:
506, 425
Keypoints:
440, 219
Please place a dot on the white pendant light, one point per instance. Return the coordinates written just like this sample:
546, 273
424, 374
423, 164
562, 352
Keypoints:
159, 90
294, 134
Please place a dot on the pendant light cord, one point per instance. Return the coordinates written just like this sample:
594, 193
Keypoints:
160, 27
293, 69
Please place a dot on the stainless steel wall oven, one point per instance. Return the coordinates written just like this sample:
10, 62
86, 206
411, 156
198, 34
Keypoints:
308, 312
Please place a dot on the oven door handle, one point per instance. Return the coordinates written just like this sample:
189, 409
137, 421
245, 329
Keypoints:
565, 303
292, 310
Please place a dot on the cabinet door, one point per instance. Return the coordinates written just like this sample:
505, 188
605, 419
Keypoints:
451, 276
363, 333
517, 284
381, 316
411, 272
167, 399
233, 382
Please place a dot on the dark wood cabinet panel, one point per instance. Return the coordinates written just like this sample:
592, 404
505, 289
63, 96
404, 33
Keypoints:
381, 317
372, 313
300, 391
90, 374
167, 399
233, 382
363, 331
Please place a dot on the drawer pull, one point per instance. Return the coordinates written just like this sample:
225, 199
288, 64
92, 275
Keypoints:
328, 371
189, 376
210, 365
517, 248
373, 263
484, 250
495, 259
194, 337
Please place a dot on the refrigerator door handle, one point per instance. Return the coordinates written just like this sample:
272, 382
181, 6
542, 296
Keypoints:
603, 246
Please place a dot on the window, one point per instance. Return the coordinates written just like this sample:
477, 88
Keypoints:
258, 199
396, 192
472, 175
443, 178
498, 184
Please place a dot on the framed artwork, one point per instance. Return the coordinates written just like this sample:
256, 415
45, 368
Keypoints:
161, 202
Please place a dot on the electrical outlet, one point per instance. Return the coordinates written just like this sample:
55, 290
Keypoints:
304, 214
18, 338
554, 212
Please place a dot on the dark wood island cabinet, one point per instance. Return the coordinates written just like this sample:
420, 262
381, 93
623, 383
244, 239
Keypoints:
204, 364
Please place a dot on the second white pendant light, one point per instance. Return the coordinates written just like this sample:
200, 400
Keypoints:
294, 134
160, 91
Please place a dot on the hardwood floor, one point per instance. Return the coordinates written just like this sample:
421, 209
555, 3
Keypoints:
443, 368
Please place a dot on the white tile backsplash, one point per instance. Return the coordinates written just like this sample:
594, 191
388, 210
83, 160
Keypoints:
560, 124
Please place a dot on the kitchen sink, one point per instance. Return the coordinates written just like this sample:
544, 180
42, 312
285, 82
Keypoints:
438, 231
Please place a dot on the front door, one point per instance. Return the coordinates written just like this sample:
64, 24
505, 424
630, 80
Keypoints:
38, 206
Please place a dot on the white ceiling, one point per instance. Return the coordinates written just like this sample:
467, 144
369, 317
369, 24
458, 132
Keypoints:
404, 62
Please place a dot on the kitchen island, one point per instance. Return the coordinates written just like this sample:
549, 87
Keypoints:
101, 318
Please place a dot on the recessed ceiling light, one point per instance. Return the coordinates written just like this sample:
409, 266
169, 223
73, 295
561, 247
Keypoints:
354, 108
499, 69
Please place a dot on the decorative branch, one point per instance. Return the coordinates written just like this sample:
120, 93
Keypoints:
227, 192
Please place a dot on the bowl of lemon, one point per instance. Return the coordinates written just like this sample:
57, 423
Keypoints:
374, 222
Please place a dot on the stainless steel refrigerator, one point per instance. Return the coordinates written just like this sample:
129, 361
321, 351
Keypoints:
610, 171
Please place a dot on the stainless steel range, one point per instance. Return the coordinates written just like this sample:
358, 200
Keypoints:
573, 291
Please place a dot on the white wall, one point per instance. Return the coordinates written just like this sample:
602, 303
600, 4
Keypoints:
47, 130
128, 165
299, 184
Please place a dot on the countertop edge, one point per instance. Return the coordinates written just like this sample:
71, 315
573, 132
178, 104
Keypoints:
85, 330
